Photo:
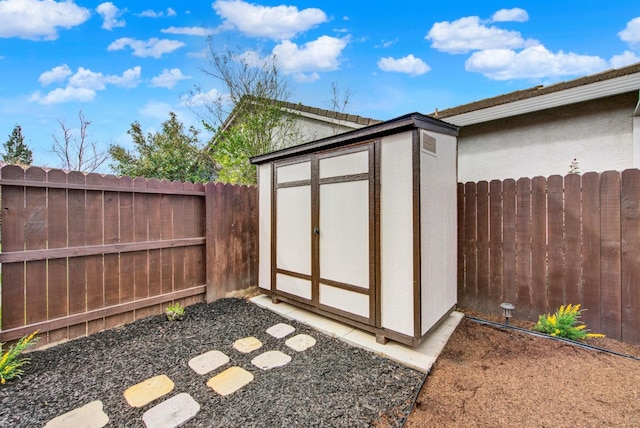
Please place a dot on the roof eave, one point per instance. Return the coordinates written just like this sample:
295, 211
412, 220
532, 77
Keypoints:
615, 86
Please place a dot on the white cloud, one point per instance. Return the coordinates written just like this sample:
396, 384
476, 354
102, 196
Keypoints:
64, 95
624, 59
277, 23
110, 14
469, 33
510, 15
171, 12
318, 55
83, 84
199, 54
169, 78
409, 64
189, 31
534, 62
631, 33
56, 74
202, 98
386, 43
39, 19
150, 13
153, 47
306, 77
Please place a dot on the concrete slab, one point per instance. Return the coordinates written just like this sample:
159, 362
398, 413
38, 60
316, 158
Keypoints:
230, 380
208, 362
271, 359
88, 416
172, 412
420, 358
280, 330
300, 342
247, 344
148, 390
282, 308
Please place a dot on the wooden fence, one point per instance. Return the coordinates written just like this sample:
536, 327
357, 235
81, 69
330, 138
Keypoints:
543, 242
81, 253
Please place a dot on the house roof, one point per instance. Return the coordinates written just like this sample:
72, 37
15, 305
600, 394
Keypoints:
359, 121
607, 83
392, 126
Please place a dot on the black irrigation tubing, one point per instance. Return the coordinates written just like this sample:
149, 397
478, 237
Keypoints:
546, 336
415, 397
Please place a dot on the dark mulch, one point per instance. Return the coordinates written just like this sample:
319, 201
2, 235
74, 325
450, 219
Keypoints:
329, 385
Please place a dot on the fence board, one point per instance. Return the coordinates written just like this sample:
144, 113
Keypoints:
610, 292
127, 292
178, 232
591, 250
13, 218
35, 230
153, 229
509, 241
572, 239
94, 236
76, 200
495, 245
523, 248
166, 232
556, 241
140, 258
538, 245
482, 225
630, 227
471, 278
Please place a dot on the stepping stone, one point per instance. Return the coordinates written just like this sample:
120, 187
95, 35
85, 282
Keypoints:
88, 416
247, 344
271, 359
145, 392
207, 362
280, 330
300, 342
172, 412
230, 380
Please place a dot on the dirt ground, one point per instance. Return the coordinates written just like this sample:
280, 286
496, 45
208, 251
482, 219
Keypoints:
488, 377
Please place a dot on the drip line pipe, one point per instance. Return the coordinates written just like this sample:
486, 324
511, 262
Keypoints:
546, 336
522, 330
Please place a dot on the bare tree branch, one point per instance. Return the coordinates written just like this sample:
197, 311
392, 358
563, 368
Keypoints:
76, 152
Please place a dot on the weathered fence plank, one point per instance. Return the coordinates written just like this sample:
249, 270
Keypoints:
509, 239
482, 218
591, 250
630, 228
572, 239
556, 241
610, 291
496, 265
523, 248
538, 244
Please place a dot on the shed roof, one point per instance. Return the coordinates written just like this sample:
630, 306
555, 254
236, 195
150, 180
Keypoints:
392, 126
600, 85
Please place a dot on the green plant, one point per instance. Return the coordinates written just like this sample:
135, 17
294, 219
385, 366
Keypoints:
175, 312
574, 168
10, 363
565, 323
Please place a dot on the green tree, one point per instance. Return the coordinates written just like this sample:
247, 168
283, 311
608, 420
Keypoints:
15, 150
249, 119
172, 154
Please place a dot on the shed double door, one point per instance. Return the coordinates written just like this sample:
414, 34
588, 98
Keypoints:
323, 232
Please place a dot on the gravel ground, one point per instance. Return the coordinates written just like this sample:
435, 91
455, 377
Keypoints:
329, 385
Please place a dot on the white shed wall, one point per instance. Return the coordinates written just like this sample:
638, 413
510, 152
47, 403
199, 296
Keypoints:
438, 230
264, 226
598, 133
396, 233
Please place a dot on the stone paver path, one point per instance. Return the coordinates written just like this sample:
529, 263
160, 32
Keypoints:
271, 359
180, 408
172, 412
208, 362
230, 380
88, 416
247, 344
146, 391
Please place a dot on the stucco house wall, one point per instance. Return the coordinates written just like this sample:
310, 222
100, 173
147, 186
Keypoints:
598, 133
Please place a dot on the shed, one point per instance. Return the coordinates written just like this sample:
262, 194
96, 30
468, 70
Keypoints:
361, 227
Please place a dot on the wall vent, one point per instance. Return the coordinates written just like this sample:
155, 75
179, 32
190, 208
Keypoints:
428, 143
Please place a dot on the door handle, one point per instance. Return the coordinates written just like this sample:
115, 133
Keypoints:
316, 231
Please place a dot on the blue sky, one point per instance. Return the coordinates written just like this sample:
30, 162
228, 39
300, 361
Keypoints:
120, 62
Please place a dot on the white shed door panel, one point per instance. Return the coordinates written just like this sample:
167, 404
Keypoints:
293, 229
344, 300
344, 232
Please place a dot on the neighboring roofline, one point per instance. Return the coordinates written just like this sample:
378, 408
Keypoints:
401, 123
608, 83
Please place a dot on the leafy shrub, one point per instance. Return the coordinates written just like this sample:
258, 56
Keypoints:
175, 312
565, 323
11, 363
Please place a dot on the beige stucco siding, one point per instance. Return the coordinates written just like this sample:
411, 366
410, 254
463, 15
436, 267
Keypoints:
599, 134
